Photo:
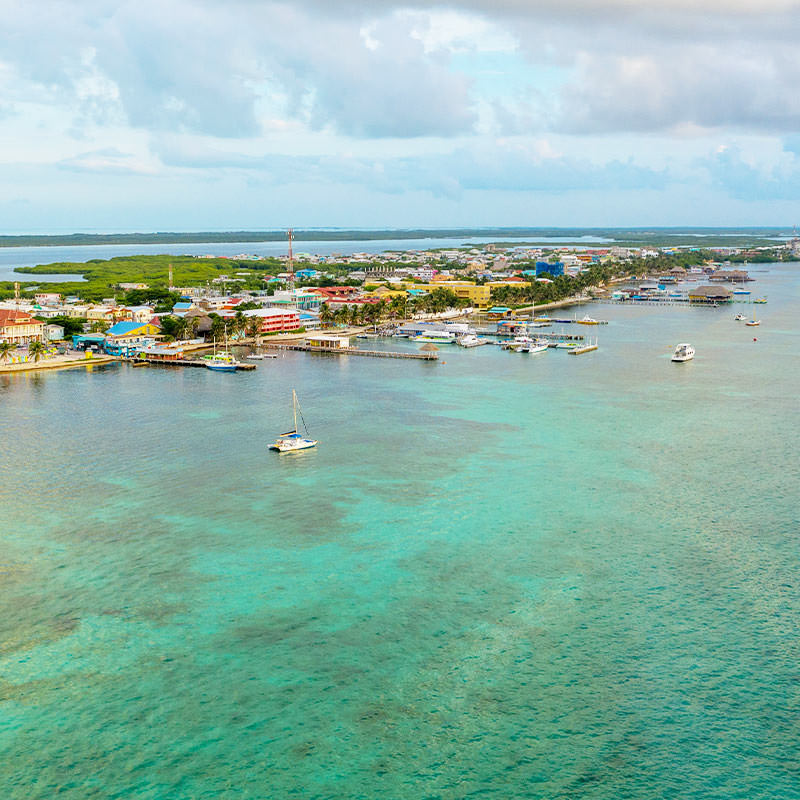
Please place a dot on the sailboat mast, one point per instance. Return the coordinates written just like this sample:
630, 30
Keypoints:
294, 404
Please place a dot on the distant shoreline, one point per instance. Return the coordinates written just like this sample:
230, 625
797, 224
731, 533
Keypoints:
566, 236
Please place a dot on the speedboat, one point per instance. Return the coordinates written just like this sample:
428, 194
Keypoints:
683, 352
588, 321
740, 317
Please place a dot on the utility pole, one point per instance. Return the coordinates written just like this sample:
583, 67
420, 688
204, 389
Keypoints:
290, 282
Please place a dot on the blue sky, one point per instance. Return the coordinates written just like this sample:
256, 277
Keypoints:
241, 114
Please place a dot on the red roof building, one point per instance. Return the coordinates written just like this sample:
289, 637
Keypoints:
19, 327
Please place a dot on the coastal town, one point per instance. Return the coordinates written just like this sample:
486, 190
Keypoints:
495, 288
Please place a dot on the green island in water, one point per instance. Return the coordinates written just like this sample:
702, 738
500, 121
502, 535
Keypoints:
497, 576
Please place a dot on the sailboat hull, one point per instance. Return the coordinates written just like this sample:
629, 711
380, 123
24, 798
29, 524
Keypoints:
283, 446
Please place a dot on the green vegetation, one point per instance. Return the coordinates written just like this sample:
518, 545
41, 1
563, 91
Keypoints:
562, 286
102, 277
36, 350
72, 325
702, 237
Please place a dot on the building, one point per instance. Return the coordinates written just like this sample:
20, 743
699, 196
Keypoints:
328, 342
478, 296
710, 294
553, 269
19, 327
54, 333
47, 298
276, 320
131, 332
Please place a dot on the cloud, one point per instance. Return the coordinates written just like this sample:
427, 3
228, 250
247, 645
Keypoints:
504, 167
746, 180
108, 161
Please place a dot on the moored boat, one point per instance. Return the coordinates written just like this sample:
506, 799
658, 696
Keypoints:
435, 337
753, 322
740, 317
292, 441
683, 352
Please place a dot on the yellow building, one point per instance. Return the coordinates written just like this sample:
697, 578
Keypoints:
383, 293
478, 296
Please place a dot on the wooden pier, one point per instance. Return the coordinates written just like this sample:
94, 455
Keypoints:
576, 351
355, 351
538, 334
187, 362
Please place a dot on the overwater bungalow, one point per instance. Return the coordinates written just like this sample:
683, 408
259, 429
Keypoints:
710, 294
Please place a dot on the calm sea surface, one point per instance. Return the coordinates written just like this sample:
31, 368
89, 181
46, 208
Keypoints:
502, 576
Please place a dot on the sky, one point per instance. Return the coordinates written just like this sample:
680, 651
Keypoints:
139, 115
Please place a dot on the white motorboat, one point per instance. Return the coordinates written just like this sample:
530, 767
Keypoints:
683, 352
470, 340
740, 317
435, 337
292, 441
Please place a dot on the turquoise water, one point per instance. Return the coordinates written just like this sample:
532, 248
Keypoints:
504, 576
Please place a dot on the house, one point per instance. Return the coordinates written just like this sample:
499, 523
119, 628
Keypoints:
19, 327
131, 332
54, 333
100, 314
136, 313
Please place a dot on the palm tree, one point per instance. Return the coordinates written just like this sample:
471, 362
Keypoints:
181, 328
254, 326
326, 315
6, 349
239, 323
37, 350
217, 327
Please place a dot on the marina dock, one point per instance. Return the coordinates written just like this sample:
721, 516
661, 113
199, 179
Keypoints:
355, 351
188, 362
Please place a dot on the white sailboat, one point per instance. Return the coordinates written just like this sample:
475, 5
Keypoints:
291, 441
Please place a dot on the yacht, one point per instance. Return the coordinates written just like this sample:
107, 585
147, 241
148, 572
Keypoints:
435, 337
683, 352
470, 340
740, 317
292, 441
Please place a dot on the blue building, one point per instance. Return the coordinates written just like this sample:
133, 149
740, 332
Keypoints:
553, 269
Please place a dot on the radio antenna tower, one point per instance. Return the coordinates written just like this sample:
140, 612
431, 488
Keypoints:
290, 282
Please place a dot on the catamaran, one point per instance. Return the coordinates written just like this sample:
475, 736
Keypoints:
291, 441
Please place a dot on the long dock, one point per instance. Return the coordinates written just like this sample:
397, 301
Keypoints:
355, 351
538, 334
187, 362
576, 351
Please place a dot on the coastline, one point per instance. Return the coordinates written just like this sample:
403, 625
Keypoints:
56, 363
